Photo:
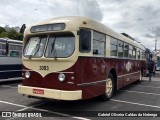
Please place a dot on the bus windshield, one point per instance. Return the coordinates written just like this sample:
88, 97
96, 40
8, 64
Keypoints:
35, 46
60, 46
57, 46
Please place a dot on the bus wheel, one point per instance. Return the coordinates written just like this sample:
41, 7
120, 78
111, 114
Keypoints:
109, 88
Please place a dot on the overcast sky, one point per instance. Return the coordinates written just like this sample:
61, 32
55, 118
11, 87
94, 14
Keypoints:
138, 18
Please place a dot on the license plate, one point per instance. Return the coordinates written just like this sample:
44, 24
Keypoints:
38, 91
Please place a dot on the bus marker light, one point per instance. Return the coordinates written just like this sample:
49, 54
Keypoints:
72, 78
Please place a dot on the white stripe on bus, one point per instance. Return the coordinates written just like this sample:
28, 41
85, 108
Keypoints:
128, 74
89, 83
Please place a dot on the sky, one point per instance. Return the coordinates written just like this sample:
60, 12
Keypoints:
138, 18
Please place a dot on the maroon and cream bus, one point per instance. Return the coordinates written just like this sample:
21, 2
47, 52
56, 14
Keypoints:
74, 58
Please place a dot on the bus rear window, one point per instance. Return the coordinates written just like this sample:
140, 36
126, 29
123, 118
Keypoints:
85, 41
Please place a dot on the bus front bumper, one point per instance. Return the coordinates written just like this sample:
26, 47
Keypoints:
50, 93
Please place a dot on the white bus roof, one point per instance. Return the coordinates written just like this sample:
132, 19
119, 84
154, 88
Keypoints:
75, 22
11, 40
14, 41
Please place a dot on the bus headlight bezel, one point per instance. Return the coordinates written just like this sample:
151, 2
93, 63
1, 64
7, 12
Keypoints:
27, 74
61, 77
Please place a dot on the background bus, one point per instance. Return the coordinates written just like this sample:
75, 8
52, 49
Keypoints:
10, 59
73, 58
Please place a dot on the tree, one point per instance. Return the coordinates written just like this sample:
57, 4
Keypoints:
11, 33
4, 35
2, 30
7, 27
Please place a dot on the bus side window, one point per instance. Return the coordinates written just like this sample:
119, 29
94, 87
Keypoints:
126, 50
2, 49
15, 50
114, 47
143, 54
120, 49
138, 54
99, 43
85, 41
134, 52
130, 51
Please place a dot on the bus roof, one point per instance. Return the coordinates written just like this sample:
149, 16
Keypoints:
75, 22
2, 40
10, 41
14, 41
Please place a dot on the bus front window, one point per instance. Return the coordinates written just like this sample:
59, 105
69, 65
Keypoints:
60, 46
35, 47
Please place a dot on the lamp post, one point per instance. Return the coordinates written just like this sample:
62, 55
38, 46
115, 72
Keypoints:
156, 44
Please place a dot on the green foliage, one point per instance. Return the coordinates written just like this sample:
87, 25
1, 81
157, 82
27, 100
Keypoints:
2, 30
11, 33
4, 35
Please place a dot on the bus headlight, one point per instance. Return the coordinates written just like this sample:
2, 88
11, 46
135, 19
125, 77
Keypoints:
27, 74
61, 77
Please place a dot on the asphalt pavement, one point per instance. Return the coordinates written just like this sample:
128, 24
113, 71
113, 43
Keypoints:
134, 102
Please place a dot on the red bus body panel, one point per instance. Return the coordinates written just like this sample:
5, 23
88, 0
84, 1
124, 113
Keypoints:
89, 75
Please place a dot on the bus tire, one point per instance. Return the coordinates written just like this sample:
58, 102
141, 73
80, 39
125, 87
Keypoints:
109, 88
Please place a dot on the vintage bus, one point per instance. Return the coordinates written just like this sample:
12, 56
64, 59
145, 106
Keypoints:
10, 60
74, 58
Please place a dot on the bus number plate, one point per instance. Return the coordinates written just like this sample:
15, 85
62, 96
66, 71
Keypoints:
43, 68
38, 91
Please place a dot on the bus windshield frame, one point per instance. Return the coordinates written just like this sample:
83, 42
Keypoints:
58, 45
35, 47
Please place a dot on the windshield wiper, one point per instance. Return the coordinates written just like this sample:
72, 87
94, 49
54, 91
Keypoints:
35, 50
53, 48
98, 39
